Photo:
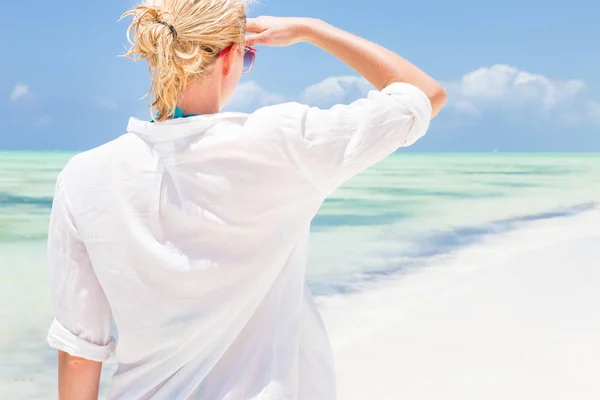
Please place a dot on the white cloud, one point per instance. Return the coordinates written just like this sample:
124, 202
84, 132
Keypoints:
510, 88
20, 92
336, 90
466, 108
330, 91
250, 95
485, 91
506, 83
505, 88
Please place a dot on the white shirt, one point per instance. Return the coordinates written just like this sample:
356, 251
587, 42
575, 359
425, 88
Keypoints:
192, 235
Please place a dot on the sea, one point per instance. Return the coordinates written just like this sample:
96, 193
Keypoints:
400, 216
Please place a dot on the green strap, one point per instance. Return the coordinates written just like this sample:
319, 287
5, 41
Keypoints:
178, 113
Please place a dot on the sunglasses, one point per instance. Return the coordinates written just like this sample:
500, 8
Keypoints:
249, 56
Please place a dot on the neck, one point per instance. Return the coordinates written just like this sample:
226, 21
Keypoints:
201, 97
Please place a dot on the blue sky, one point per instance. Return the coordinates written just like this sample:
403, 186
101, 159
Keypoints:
522, 76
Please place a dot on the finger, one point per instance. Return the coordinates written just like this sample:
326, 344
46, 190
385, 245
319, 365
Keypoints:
253, 40
252, 26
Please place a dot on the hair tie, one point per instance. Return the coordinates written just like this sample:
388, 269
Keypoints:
171, 27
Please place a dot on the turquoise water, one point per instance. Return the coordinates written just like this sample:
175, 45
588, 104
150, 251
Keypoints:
407, 211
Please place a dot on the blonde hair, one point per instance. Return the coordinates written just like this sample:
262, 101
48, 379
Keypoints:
180, 40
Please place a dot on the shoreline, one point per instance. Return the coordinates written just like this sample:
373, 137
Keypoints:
514, 316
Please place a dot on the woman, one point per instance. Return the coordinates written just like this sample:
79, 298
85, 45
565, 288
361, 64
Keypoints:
191, 231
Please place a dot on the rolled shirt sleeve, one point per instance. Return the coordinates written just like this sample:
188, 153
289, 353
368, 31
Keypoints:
330, 146
347, 139
82, 316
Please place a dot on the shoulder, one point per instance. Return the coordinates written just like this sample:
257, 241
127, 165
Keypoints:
280, 115
92, 163
279, 125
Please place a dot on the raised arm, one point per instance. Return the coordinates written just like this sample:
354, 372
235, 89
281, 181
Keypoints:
381, 67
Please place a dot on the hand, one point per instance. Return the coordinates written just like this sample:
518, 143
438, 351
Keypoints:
275, 31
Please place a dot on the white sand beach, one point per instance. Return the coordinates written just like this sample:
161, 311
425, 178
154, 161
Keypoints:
515, 317
488, 271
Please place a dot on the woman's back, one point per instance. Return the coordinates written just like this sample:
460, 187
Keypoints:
198, 245
195, 235
192, 233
